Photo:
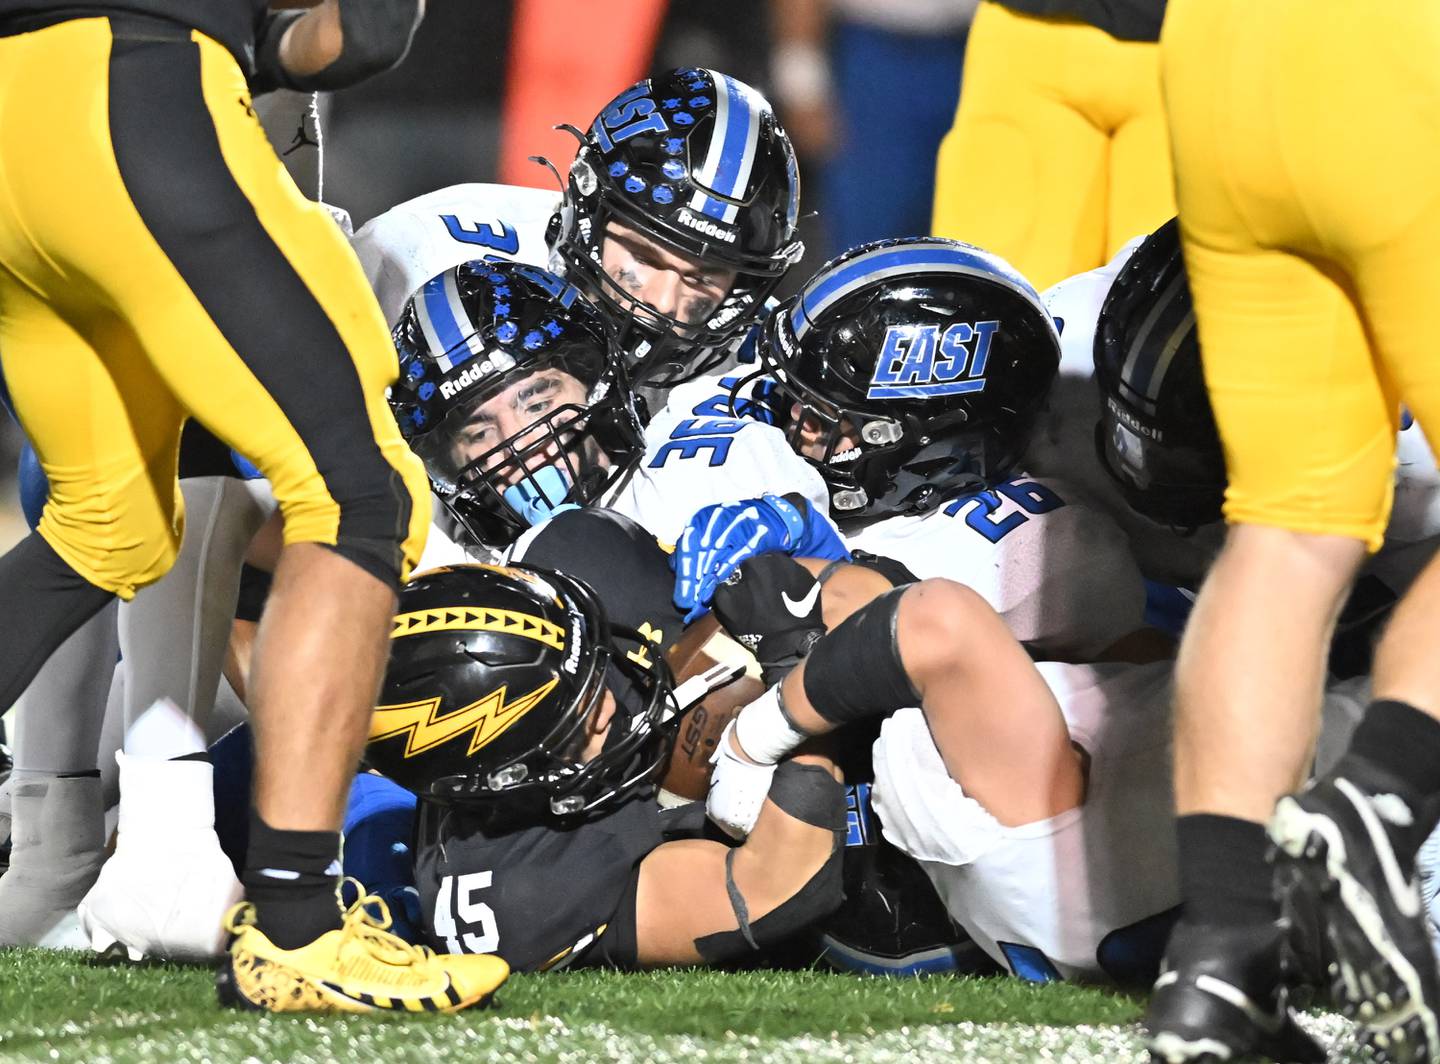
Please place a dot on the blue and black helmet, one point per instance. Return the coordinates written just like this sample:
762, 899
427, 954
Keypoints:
695, 160
909, 370
513, 391
1156, 436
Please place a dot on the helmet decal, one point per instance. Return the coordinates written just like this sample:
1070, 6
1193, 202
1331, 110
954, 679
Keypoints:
425, 727
445, 322
919, 360
466, 619
731, 155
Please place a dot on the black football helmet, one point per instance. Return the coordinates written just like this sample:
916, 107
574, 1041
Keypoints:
921, 365
480, 331
1156, 436
696, 160
493, 676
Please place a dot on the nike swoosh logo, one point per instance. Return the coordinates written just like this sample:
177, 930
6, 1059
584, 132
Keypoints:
802, 607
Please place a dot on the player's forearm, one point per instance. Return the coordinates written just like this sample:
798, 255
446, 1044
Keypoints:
313, 41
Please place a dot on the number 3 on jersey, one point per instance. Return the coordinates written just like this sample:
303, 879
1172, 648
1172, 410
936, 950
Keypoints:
985, 511
504, 239
455, 904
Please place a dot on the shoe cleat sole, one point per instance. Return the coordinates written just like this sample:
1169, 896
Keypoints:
1358, 933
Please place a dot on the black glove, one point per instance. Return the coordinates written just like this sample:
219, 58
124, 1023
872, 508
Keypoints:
771, 606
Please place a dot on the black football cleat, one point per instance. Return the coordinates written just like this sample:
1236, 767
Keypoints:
1348, 844
1221, 997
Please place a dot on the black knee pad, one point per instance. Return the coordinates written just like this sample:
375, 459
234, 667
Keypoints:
811, 795
855, 672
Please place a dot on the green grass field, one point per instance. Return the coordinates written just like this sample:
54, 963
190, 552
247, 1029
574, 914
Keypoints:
61, 1007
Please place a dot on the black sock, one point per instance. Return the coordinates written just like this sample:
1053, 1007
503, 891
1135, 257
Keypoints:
1224, 877
1402, 741
291, 877
46, 601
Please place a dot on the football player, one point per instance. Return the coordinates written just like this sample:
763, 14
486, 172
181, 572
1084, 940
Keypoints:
513, 392
1010, 783
155, 90
696, 268
1050, 844
534, 730
1311, 272
909, 373
678, 216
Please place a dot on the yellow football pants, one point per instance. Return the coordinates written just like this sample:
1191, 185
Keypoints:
1310, 218
1058, 156
156, 262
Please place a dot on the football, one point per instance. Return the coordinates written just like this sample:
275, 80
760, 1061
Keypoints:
704, 645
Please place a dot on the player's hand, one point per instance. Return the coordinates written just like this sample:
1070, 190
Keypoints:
738, 787
771, 606
722, 536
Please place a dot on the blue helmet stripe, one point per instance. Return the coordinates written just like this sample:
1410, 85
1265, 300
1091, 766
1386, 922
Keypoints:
731, 155
444, 322
899, 260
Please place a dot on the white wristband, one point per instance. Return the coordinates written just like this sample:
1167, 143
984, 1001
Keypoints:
763, 731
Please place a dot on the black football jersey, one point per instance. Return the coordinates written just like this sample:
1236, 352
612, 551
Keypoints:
541, 897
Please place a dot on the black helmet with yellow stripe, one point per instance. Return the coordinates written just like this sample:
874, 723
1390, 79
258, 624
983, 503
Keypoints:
508, 691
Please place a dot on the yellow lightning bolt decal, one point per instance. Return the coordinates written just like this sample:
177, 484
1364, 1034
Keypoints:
487, 718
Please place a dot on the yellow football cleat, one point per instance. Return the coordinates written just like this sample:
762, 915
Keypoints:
359, 967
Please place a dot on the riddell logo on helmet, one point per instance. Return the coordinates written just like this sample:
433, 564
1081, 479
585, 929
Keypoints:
1132, 422
704, 225
451, 388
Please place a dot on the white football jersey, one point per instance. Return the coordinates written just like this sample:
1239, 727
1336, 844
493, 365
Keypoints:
447, 544
694, 462
416, 240
709, 396
1054, 566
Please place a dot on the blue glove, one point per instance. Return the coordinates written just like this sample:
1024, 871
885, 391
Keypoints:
720, 537
246, 468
